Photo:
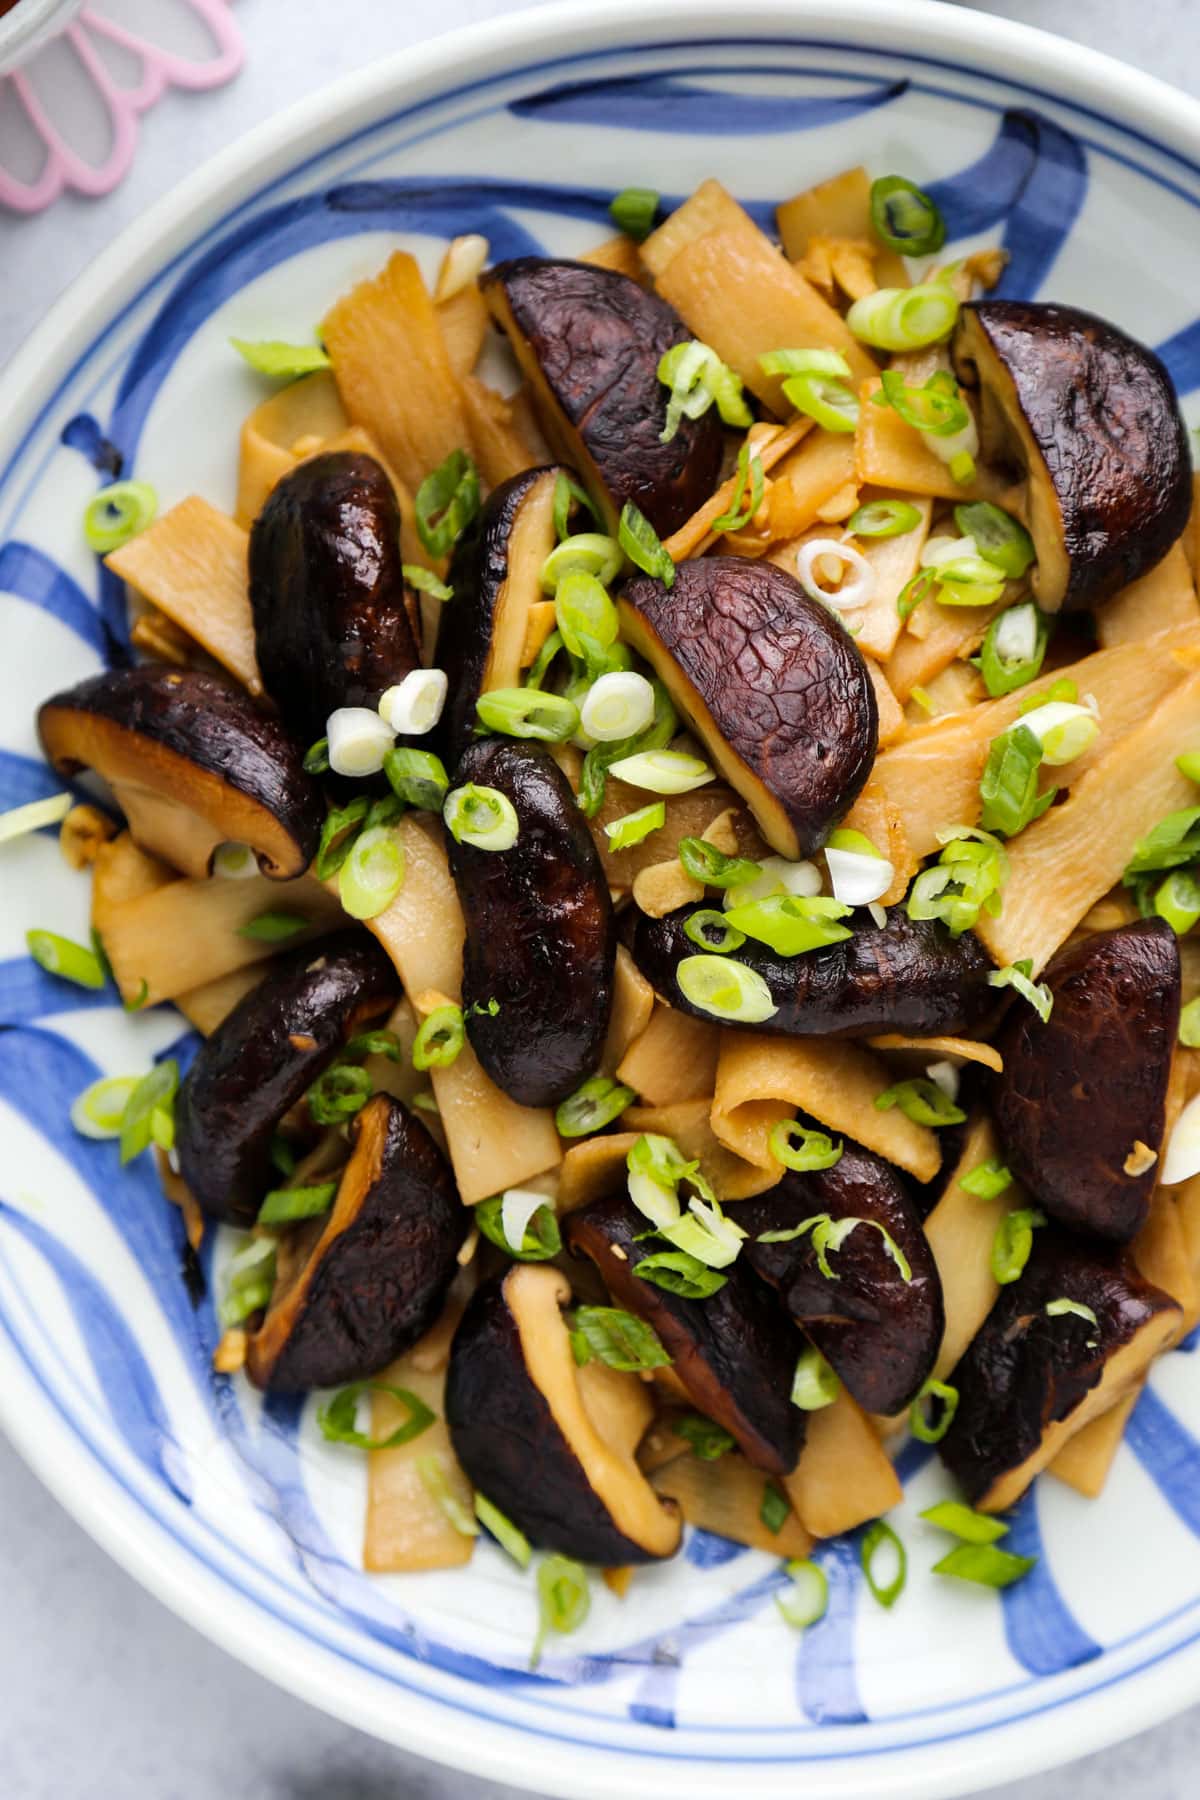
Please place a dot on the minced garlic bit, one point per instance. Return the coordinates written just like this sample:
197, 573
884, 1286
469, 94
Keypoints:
230, 1354
470, 1246
81, 834
1140, 1158
619, 1251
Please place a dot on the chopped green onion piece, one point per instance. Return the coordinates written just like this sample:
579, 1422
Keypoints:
282, 361
707, 1441
985, 1564
1064, 689
698, 379
1177, 900
642, 545
338, 1094
678, 1272
904, 217
880, 1537
1174, 842
814, 1385
1014, 648
283, 1157
935, 409
706, 1233
373, 1043
373, 873
21, 820
831, 403
966, 881
918, 1419
884, 519
481, 816
337, 836
590, 552
620, 1340
1189, 764
567, 496
662, 771
249, 1281
283, 1206
1016, 975
712, 932
1073, 1309
586, 618
828, 1236
316, 758
540, 1240
913, 592
439, 1039
632, 828
426, 582
921, 1101
742, 510
446, 502
501, 1527
808, 1599
705, 863
962, 467
999, 537
1013, 1242
563, 1600
417, 777
725, 988
1063, 730
1009, 785
987, 1180
592, 1106
634, 210
435, 1480
617, 706
905, 318
805, 362
661, 1159
602, 757
798, 1147
149, 1114
118, 513
99, 1110
63, 957
775, 1508
963, 1522
792, 924
535, 675
273, 927
528, 713
1189, 1025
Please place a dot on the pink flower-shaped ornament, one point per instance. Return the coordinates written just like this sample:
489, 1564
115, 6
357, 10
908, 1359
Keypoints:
147, 70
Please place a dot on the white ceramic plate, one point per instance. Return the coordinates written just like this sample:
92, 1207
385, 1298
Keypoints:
241, 1519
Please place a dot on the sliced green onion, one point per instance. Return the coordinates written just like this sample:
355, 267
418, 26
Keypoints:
963, 467
1173, 842
936, 410
435, 1480
1016, 975
586, 616
592, 1106
316, 758
409, 709
567, 496
805, 362
1189, 764
814, 1385
918, 1419
417, 777
775, 1508
880, 1537
446, 502
501, 1527
1177, 900
250, 1279
1014, 648
149, 1115
63, 957
742, 510
1013, 1242
792, 924
481, 816
634, 827
663, 771
966, 881
884, 519
677, 1272
99, 1110
706, 1233
1009, 785
590, 551
21, 820
273, 927
808, 1599
563, 1600
528, 713
962, 1522
921, 1101
540, 1238
337, 835
698, 379
620, 1340
283, 1206
706, 864
726, 989
707, 1441
905, 318
798, 1147
338, 1094
1063, 730
1072, 1309
118, 513
712, 932
642, 545
426, 582
828, 1236
372, 874
985, 1564
440, 1038
1189, 1025
987, 1180
913, 592
634, 210
1000, 538
831, 403
282, 361
617, 706
535, 675
904, 217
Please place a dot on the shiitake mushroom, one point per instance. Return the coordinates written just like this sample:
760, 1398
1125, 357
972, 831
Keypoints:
551, 1444
335, 623
1062, 1344
264, 1057
540, 949
192, 762
770, 682
878, 1329
1090, 418
907, 975
356, 1289
589, 341
1080, 1106
734, 1353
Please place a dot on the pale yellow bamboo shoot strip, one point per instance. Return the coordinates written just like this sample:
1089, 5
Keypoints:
675, 1058
726, 1496
309, 410
967, 1048
687, 815
763, 1078
621, 254
1061, 865
1162, 1255
463, 322
1163, 598
501, 447
633, 1003
894, 561
423, 928
891, 714
191, 565
837, 208
407, 1528
844, 1476
769, 443
948, 632
1085, 1460
891, 454
961, 1230
689, 1123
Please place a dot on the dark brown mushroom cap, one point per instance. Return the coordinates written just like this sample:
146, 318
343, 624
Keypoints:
541, 940
264, 1057
771, 683
370, 1279
1081, 1092
590, 340
496, 577
735, 1352
908, 975
334, 622
1030, 1379
194, 739
522, 1433
880, 1333
1090, 416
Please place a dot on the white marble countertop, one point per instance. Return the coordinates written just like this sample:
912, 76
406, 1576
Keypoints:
107, 1696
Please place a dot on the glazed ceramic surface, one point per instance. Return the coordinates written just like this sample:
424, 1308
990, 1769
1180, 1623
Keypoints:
238, 1514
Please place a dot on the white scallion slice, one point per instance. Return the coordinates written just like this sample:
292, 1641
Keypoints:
858, 879
1015, 639
777, 876
617, 706
462, 265
945, 1076
826, 560
1064, 731
517, 1207
414, 705
234, 862
373, 873
99, 1110
663, 771
657, 1203
24, 819
358, 741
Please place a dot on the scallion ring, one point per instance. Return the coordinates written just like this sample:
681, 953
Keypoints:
985, 1564
358, 739
338, 1417
593, 1105
807, 1599
617, 706
792, 924
482, 817
814, 1385
417, 777
118, 513
900, 319
905, 219
876, 1539
99, 1110
827, 560
521, 1223
564, 1600
528, 713
884, 519
284, 1206
414, 706
925, 1429
711, 931
831, 403
440, 1038
662, 771
725, 989
742, 507
642, 545
373, 873
282, 361
698, 379
803, 1148
149, 1115
446, 502
1013, 1242
1000, 538
597, 555
921, 1101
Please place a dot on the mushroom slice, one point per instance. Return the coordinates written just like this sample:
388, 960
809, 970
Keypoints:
1090, 419
1081, 1104
551, 1444
878, 1330
734, 1353
589, 340
540, 951
358, 1288
772, 684
1065, 1342
334, 621
496, 578
908, 975
176, 739
262, 1059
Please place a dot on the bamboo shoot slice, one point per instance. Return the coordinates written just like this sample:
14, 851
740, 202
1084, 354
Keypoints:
1084, 1461
838, 208
406, 1526
633, 1003
844, 1476
1165, 597
726, 1497
890, 454
961, 1229
309, 410
209, 1005
675, 1058
689, 1123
